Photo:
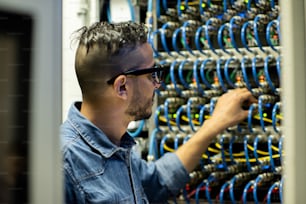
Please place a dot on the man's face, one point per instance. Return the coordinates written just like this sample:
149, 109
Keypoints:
141, 102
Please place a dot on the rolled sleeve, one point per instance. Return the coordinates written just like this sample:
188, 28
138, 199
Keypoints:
172, 172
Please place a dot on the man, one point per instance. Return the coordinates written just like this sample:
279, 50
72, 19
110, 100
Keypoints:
117, 75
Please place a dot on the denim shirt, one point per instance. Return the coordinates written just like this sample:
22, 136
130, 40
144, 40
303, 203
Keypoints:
98, 171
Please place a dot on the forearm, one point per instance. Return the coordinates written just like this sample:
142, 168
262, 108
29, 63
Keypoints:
190, 153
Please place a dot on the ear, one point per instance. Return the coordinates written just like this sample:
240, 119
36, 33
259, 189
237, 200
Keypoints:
121, 86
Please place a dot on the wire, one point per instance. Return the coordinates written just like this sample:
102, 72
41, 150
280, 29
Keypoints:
231, 189
181, 74
275, 109
156, 116
174, 41
254, 66
245, 145
172, 76
256, 31
227, 77
151, 41
166, 113
223, 189
251, 111
138, 131
220, 37
270, 140
260, 112
153, 145
208, 26
196, 77
268, 34
244, 33
245, 60
190, 121
267, 75
232, 25
275, 185
162, 144
246, 190
219, 64
178, 117
198, 38
163, 37
184, 36
202, 69
255, 186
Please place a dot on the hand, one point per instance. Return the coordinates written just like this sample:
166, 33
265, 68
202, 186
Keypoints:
230, 108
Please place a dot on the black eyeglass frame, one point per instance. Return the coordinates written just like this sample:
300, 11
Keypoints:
137, 72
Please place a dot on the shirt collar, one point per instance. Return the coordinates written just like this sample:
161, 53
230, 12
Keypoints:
95, 136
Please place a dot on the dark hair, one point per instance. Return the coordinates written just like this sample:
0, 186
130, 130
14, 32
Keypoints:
101, 52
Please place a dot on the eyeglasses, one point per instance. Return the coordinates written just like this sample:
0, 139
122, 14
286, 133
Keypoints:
157, 73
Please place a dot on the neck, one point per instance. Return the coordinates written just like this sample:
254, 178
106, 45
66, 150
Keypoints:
108, 119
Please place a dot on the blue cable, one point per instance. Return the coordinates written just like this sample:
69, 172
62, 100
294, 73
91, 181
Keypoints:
275, 110
202, 74
232, 140
231, 189
212, 104
138, 130
158, 9
246, 152
280, 149
273, 186
151, 41
196, 77
231, 32
162, 143
218, 69
207, 188
163, 37
207, 27
202, 114
249, 5
257, 180
174, 41
268, 29
220, 37
270, 143
178, 117
254, 72
165, 5
187, 47
172, 76
267, 75
244, 60
243, 34
156, 116
255, 144
178, 8
222, 190
182, 75
166, 105
278, 68
260, 112
256, 32
281, 190
224, 164
250, 116
198, 41
186, 138
153, 144
227, 77
272, 3
189, 104
176, 142
245, 191
198, 189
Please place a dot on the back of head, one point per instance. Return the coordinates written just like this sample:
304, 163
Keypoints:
102, 51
